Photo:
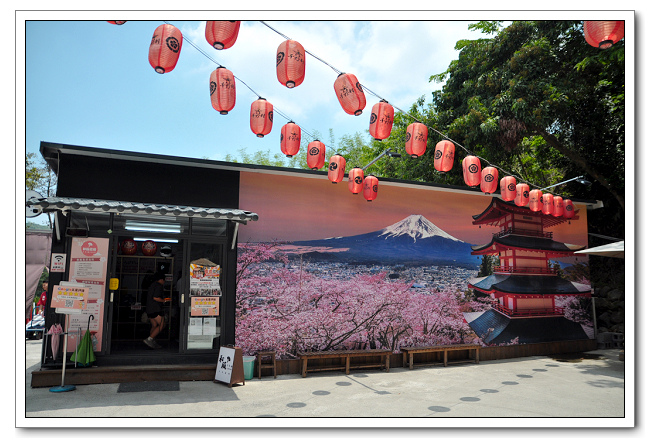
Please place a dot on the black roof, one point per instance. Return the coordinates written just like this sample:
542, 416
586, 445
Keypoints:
528, 284
530, 242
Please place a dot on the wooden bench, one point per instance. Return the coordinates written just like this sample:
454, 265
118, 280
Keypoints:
347, 355
408, 352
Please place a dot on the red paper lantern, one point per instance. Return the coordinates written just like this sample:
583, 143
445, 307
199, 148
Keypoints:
472, 170
355, 180
336, 170
508, 188
316, 155
569, 209
290, 63
603, 34
261, 117
443, 158
222, 90
535, 200
370, 187
222, 34
149, 248
350, 93
522, 195
381, 120
129, 247
290, 139
558, 206
547, 204
165, 48
489, 179
416, 139
117, 22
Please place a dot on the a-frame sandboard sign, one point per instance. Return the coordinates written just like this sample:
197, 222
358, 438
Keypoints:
230, 366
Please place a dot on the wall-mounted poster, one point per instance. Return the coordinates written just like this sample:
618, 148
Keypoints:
204, 306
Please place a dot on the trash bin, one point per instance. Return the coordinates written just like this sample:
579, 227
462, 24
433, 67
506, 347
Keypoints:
249, 367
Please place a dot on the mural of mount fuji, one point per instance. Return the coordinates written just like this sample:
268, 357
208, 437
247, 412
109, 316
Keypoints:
413, 240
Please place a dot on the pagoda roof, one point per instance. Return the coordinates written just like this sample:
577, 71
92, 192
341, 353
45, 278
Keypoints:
525, 242
499, 208
528, 284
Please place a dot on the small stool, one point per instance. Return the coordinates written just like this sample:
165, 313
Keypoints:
266, 360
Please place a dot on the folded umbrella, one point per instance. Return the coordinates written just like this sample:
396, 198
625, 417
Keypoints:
84, 356
55, 333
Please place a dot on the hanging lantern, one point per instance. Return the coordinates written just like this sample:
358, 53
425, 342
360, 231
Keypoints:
522, 195
316, 155
569, 210
443, 159
149, 248
290, 63
558, 206
489, 179
355, 180
129, 247
290, 139
547, 204
472, 170
117, 22
336, 170
261, 117
535, 200
370, 187
222, 90
350, 93
508, 188
165, 48
381, 120
603, 34
222, 34
416, 139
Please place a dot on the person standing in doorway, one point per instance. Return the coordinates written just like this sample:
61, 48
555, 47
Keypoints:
154, 308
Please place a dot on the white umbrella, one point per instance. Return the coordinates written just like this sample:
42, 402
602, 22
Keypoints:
616, 250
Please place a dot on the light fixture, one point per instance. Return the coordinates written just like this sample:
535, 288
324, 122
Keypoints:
157, 240
145, 226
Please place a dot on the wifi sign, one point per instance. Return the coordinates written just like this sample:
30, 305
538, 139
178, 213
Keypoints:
58, 263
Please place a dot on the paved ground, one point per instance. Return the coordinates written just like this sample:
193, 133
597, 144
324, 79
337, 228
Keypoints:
591, 392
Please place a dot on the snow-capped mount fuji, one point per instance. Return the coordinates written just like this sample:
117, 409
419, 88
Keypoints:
416, 227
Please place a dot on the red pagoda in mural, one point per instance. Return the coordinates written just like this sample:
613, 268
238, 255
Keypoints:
524, 286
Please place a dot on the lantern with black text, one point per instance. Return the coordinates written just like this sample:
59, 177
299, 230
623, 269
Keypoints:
165, 48
222, 34
603, 34
316, 155
350, 93
569, 210
558, 206
472, 170
290, 139
523, 195
290, 63
370, 187
535, 200
443, 158
489, 179
547, 203
381, 120
416, 139
222, 90
355, 180
261, 117
336, 169
508, 188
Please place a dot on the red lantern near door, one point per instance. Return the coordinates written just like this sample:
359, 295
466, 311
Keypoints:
569, 209
370, 188
381, 120
355, 180
336, 169
261, 117
489, 180
443, 158
316, 155
416, 139
222, 90
547, 204
508, 188
522, 197
472, 170
222, 34
603, 34
290, 139
558, 206
535, 200
290, 63
350, 93
117, 22
165, 48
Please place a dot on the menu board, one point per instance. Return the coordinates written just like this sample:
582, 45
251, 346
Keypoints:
230, 366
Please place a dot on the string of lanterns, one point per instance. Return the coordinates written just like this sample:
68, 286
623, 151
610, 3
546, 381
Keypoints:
164, 52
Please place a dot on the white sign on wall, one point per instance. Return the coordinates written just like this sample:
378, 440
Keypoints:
57, 264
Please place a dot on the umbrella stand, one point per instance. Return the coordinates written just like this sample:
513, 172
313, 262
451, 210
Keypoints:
63, 387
